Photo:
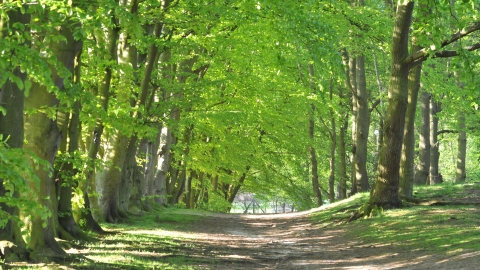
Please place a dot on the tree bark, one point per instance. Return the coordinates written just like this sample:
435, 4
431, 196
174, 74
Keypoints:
88, 186
66, 219
235, 187
343, 161
362, 127
435, 176
352, 82
333, 142
423, 166
315, 185
127, 188
313, 155
385, 192
109, 202
108, 180
461, 174
44, 139
140, 184
161, 185
164, 139
11, 126
72, 132
407, 162
152, 167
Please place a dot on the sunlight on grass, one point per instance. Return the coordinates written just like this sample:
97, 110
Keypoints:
339, 211
143, 242
447, 229
443, 229
164, 239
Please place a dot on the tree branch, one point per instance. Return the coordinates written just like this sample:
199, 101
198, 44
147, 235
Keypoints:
452, 53
374, 105
423, 53
446, 131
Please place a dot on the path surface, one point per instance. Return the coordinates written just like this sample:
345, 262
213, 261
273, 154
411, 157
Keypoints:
291, 241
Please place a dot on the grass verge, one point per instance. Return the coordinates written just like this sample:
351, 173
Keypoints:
441, 229
151, 241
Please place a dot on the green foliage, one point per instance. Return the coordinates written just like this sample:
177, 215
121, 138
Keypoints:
216, 203
247, 99
17, 172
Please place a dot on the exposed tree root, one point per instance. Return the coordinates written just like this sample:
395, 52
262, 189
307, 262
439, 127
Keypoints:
10, 252
45, 254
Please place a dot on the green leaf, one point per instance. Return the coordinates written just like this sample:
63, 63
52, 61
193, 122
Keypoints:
17, 81
28, 85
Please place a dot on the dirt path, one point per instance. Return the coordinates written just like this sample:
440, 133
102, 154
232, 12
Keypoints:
291, 241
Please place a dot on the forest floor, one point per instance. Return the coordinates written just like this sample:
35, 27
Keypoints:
416, 237
295, 241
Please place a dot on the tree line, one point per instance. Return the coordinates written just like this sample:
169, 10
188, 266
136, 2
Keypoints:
112, 107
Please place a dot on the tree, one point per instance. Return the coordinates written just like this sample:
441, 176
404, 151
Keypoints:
11, 125
385, 193
43, 135
423, 166
407, 161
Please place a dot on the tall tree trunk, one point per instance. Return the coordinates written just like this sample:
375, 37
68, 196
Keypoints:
343, 161
423, 166
385, 191
139, 177
66, 220
407, 162
352, 82
88, 187
235, 187
152, 167
109, 202
461, 174
108, 180
44, 139
11, 126
176, 182
313, 155
128, 178
189, 193
379, 131
435, 176
343, 130
313, 161
333, 145
160, 183
362, 126
164, 139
